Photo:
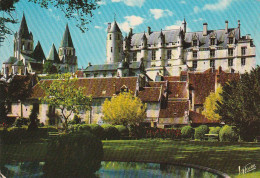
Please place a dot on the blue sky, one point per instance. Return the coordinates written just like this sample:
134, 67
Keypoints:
48, 25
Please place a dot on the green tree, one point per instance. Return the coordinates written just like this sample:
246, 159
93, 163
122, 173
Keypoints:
124, 109
241, 104
82, 8
48, 68
33, 118
210, 104
3, 109
66, 96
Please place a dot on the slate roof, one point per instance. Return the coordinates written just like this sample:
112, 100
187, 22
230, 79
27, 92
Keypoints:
10, 60
96, 87
174, 109
198, 118
151, 94
67, 40
53, 55
114, 28
38, 53
37, 66
23, 30
111, 67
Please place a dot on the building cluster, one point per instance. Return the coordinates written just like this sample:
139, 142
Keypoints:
172, 71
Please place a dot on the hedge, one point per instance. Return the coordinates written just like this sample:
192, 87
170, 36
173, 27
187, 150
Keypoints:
97, 130
187, 132
123, 130
110, 132
227, 133
200, 132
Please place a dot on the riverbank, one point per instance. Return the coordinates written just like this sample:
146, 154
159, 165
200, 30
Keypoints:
225, 157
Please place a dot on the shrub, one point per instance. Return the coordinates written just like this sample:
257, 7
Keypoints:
187, 132
34, 121
123, 130
110, 132
227, 133
214, 130
97, 130
137, 131
201, 131
73, 155
20, 122
76, 120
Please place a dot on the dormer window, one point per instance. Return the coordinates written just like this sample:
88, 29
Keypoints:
195, 54
243, 50
195, 42
212, 53
212, 41
124, 89
230, 40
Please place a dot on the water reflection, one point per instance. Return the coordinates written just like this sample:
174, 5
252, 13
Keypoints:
111, 169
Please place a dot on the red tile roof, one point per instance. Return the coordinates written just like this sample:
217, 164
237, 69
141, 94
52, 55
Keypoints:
171, 78
174, 109
96, 87
151, 94
177, 90
198, 118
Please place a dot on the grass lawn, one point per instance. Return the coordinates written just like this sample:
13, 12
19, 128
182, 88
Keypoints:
225, 157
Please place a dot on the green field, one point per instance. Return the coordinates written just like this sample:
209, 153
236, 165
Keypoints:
225, 157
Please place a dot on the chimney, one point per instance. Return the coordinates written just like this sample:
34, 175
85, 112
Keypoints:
205, 29
226, 28
108, 27
149, 30
238, 26
89, 64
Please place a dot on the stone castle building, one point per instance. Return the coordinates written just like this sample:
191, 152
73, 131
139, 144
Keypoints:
168, 52
27, 59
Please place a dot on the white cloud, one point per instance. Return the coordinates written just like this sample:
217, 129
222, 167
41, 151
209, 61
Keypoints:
98, 27
130, 21
99, 12
177, 25
220, 5
196, 9
102, 2
197, 20
183, 2
132, 3
159, 13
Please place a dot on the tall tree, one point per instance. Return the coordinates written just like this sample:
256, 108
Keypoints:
80, 10
210, 105
65, 95
3, 109
124, 109
241, 104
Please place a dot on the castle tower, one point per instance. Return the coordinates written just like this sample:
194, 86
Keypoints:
114, 43
67, 53
23, 40
144, 51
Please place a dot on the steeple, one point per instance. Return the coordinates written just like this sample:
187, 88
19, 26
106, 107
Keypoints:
66, 40
38, 53
23, 30
53, 55
114, 28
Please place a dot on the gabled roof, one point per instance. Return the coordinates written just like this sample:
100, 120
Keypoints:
10, 60
23, 30
198, 118
174, 109
177, 90
151, 94
38, 53
53, 55
96, 87
18, 63
66, 40
114, 28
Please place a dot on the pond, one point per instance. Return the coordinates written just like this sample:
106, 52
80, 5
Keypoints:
112, 169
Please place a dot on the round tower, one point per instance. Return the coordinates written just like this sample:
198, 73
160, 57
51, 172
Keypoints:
114, 43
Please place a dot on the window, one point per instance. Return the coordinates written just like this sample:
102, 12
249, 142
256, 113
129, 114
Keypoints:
230, 40
169, 54
95, 75
51, 110
230, 62
212, 41
36, 107
111, 49
195, 43
134, 56
153, 65
110, 37
195, 54
212, 63
104, 74
153, 55
230, 51
243, 50
212, 53
243, 61
194, 64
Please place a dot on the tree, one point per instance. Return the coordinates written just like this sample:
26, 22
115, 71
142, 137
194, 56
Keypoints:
124, 109
48, 68
210, 105
66, 96
33, 120
80, 10
241, 104
3, 109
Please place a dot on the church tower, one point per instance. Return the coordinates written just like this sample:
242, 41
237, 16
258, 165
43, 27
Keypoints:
67, 53
114, 43
23, 40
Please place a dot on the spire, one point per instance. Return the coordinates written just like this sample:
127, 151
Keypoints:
161, 34
53, 55
38, 53
23, 30
144, 37
114, 28
66, 40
